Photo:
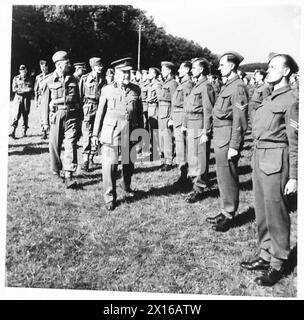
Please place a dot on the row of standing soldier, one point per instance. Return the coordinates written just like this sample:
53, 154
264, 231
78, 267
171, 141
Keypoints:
191, 111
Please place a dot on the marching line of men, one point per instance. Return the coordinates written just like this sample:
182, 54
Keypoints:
119, 113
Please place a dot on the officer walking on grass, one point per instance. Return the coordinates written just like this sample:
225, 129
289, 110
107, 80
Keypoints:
90, 86
119, 114
229, 125
22, 87
61, 97
275, 160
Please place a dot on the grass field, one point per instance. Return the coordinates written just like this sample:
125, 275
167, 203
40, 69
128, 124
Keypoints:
155, 242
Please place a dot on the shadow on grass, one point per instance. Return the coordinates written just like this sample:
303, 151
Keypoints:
292, 260
28, 144
29, 150
244, 217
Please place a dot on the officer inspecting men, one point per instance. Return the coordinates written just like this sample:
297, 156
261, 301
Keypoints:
62, 113
119, 113
90, 86
22, 87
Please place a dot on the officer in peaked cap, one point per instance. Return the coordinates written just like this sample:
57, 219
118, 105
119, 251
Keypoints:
90, 87
230, 125
60, 103
80, 69
119, 114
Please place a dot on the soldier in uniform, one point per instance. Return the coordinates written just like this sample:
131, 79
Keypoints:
197, 122
90, 87
80, 70
23, 88
152, 105
38, 89
262, 90
144, 86
61, 97
110, 75
178, 102
119, 114
164, 113
230, 124
275, 159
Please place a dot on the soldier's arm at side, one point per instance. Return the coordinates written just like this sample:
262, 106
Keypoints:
45, 101
208, 103
100, 114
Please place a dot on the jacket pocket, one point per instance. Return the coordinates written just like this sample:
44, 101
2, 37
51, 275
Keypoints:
270, 160
107, 131
222, 136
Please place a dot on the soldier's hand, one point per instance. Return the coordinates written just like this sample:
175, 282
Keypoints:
203, 139
183, 129
232, 153
290, 187
170, 123
95, 141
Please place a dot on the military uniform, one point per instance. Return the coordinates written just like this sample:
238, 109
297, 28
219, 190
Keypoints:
144, 86
62, 95
90, 88
275, 132
164, 114
260, 92
177, 115
230, 125
197, 120
23, 88
119, 113
152, 104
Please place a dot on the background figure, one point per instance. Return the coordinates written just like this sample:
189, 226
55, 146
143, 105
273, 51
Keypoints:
38, 90
144, 86
23, 88
80, 70
110, 75
90, 86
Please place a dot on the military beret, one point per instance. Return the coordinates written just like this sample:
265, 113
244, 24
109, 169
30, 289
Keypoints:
22, 67
124, 64
43, 62
289, 61
110, 71
157, 71
237, 56
95, 61
204, 60
168, 64
59, 56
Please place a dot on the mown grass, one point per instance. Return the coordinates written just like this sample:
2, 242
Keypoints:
156, 242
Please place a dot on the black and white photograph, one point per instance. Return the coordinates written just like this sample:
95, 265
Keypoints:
150, 149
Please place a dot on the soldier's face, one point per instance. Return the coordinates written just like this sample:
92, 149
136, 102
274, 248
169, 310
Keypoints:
258, 77
65, 66
44, 68
23, 73
144, 76
151, 74
277, 70
110, 78
165, 71
196, 70
97, 69
122, 76
182, 71
225, 67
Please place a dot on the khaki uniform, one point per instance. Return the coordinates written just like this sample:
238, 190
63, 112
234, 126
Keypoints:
23, 88
164, 114
61, 98
275, 159
38, 90
198, 116
144, 86
90, 88
259, 94
152, 101
230, 124
119, 113
178, 101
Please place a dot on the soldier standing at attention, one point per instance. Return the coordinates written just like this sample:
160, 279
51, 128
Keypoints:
119, 114
144, 86
38, 89
22, 87
80, 69
230, 124
164, 113
90, 86
178, 103
275, 161
197, 121
61, 97
262, 90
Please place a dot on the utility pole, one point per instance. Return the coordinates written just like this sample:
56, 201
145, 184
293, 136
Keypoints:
140, 29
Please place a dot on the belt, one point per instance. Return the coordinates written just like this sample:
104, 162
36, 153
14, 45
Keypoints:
178, 109
118, 115
259, 144
64, 107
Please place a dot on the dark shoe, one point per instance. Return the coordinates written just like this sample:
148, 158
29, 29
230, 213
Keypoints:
181, 181
44, 136
167, 167
85, 166
271, 277
110, 206
13, 134
223, 225
256, 264
216, 219
24, 133
128, 193
194, 196
70, 183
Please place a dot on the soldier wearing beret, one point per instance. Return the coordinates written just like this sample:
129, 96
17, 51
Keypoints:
80, 69
261, 91
61, 97
179, 99
275, 159
90, 87
22, 86
230, 124
39, 87
119, 114
164, 113
197, 122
